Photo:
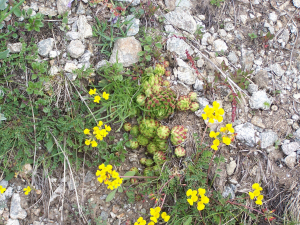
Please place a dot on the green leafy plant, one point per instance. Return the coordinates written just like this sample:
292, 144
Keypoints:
35, 22
216, 2
198, 33
5, 11
252, 36
151, 48
266, 39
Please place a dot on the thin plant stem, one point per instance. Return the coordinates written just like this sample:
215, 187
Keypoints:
209, 167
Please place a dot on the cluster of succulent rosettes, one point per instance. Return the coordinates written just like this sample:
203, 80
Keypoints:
127, 126
180, 151
155, 215
109, 177
159, 157
134, 131
97, 97
213, 113
178, 135
256, 193
227, 134
148, 127
188, 102
163, 132
132, 143
142, 140
197, 196
97, 134
159, 69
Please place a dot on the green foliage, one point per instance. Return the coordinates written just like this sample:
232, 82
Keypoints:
151, 48
252, 36
109, 34
122, 90
35, 22
198, 33
216, 2
4, 13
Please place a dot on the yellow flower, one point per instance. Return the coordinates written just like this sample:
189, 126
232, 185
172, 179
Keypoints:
256, 186
165, 216
190, 201
87, 142
154, 219
94, 143
155, 212
260, 197
251, 195
213, 134
200, 206
86, 131
226, 140
140, 221
229, 127
27, 190
105, 95
223, 129
216, 105
2, 189
214, 147
92, 92
201, 191
100, 123
256, 193
258, 202
216, 142
151, 223
108, 128
204, 199
189, 192
97, 99
204, 116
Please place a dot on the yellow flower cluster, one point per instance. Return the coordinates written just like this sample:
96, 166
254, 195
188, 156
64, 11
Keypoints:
256, 193
214, 113
227, 135
155, 214
97, 98
109, 177
2, 189
27, 190
98, 133
195, 196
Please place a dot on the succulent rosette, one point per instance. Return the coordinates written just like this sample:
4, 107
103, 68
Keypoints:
179, 151
178, 134
161, 102
159, 70
140, 99
163, 132
132, 143
149, 162
156, 170
148, 127
133, 180
159, 157
134, 130
166, 63
166, 83
161, 144
183, 103
143, 161
168, 73
192, 96
148, 172
151, 148
142, 140
127, 126
135, 170
194, 106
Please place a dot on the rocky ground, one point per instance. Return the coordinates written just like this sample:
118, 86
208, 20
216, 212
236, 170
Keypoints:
267, 119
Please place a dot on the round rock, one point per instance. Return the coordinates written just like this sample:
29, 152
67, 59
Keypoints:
75, 49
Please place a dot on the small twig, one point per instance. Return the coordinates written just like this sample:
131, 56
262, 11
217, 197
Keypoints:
141, 177
233, 203
209, 167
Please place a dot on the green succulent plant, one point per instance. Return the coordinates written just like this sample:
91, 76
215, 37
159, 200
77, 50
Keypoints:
142, 140
148, 127
183, 103
163, 132
159, 157
161, 144
134, 131
152, 148
178, 135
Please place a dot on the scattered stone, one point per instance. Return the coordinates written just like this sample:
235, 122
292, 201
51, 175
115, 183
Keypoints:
62, 6
15, 47
200, 63
12, 222
268, 138
89, 176
257, 121
185, 73
205, 37
9, 192
47, 11
54, 54
133, 24
34, 6
101, 63
244, 18
16, 211
252, 88
289, 148
273, 17
133, 3
290, 160
170, 4
219, 45
296, 3
295, 126
127, 50
45, 46
247, 59
277, 69
296, 96
179, 46
295, 117
199, 85
70, 67
232, 57
229, 27
261, 78
4, 183
289, 121
81, 9
84, 28
231, 167
260, 100
71, 184
274, 108
246, 134
104, 215
182, 19
38, 223
229, 190
27, 168
222, 33
284, 37
71, 35
75, 48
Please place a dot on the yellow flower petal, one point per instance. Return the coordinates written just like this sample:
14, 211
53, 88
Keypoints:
251, 195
